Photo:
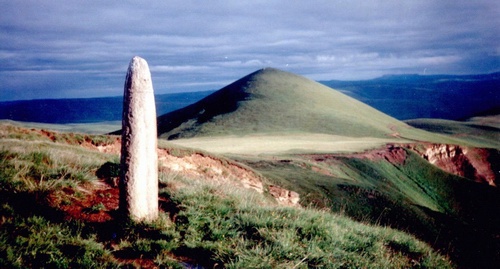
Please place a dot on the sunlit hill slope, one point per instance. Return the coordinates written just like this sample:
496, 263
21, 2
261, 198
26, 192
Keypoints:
274, 101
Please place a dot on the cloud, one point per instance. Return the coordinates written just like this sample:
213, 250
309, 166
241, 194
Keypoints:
82, 48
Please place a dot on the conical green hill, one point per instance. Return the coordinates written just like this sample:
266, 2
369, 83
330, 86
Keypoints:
274, 101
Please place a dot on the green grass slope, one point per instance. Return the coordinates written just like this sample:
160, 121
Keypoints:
274, 101
202, 222
398, 188
479, 131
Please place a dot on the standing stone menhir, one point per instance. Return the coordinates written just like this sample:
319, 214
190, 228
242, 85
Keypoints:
139, 160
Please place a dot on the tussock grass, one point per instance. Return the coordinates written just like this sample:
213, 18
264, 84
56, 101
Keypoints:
35, 242
41, 167
202, 223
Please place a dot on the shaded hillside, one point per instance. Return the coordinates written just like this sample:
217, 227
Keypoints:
273, 101
438, 96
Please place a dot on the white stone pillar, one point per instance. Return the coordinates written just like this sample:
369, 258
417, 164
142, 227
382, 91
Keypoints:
139, 160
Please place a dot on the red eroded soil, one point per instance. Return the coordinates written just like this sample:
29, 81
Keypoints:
392, 153
98, 204
474, 163
91, 203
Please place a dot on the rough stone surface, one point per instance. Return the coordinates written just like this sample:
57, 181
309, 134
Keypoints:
139, 161
284, 196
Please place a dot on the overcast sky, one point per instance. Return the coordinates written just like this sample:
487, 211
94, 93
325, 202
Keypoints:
66, 49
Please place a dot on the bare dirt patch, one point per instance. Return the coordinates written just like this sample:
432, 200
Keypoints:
113, 148
392, 153
93, 202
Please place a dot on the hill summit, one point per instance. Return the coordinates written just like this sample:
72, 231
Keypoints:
273, 101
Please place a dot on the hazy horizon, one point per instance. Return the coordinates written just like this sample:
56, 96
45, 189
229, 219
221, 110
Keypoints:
120, 94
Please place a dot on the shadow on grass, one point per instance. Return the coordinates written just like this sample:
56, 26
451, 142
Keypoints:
197, 257
467, 244
28, 204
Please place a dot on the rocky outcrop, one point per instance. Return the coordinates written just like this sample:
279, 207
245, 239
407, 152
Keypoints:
284, 196
474, 163
198, 165
392, 153
478, 164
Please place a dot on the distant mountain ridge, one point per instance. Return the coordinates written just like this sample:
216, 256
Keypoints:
411, 96
87, 110
477, 77
452, 97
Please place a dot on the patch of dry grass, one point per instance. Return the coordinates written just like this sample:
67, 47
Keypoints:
283, 143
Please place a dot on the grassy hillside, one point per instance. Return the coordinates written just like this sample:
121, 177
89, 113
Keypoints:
270, 101
56, 213
398, 188
85, 128
276, 144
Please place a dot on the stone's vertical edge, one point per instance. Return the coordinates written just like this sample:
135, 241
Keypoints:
139, 161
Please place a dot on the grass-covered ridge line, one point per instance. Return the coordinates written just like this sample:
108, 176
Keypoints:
229, 227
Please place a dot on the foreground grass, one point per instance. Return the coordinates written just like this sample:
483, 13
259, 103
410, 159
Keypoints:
35, 242
214, 228
201, 223
239, 231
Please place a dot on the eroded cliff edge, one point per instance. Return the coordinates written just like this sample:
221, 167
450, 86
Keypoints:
479, 164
